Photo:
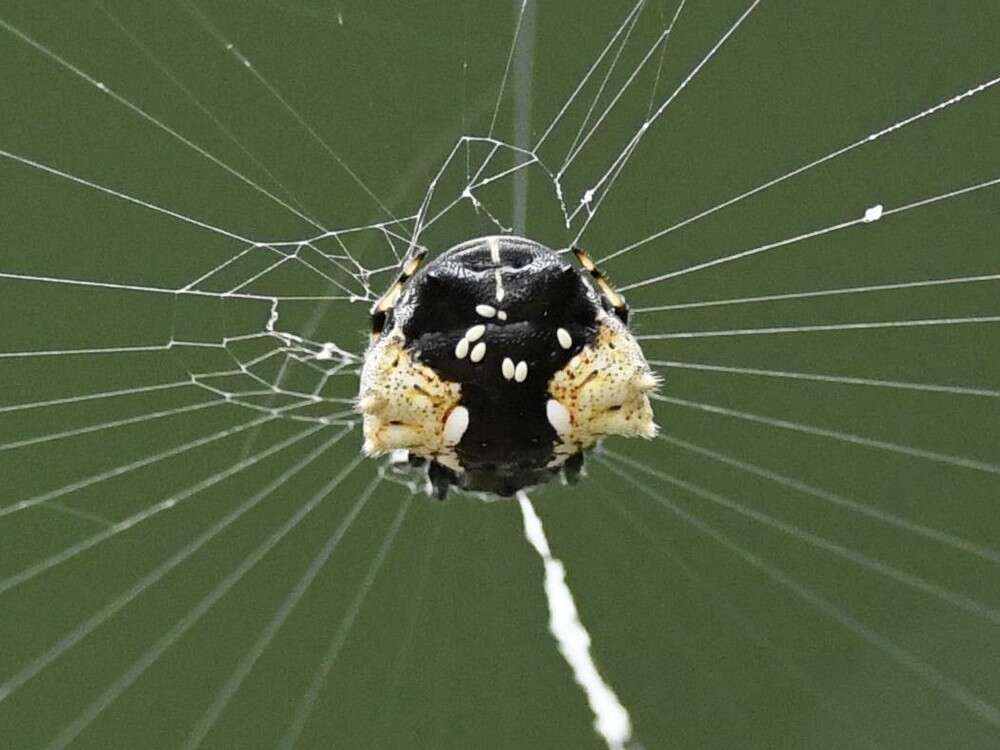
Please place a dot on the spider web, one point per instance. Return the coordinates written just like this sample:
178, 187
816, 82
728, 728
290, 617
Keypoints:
187, 324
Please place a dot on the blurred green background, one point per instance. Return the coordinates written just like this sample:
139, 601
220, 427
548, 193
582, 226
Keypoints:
852, 603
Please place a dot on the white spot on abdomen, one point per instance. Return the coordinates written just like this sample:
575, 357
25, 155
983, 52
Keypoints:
486, 311
565, 340
475, 333
462, 348
558, 416
521, 371
507, 368
478, 352
456, 425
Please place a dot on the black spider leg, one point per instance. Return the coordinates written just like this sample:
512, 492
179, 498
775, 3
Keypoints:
612, 298
381, 309
440, 478
572, 467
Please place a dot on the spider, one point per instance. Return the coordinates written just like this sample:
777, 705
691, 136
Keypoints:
496, 365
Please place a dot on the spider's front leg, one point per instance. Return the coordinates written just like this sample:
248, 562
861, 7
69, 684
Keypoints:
382, 308
613, 299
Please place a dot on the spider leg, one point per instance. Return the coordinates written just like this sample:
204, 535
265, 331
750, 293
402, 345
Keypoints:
573, 467
613, 299
380, 310
440, 478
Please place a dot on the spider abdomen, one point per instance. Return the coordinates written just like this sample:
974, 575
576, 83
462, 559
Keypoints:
515, 359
